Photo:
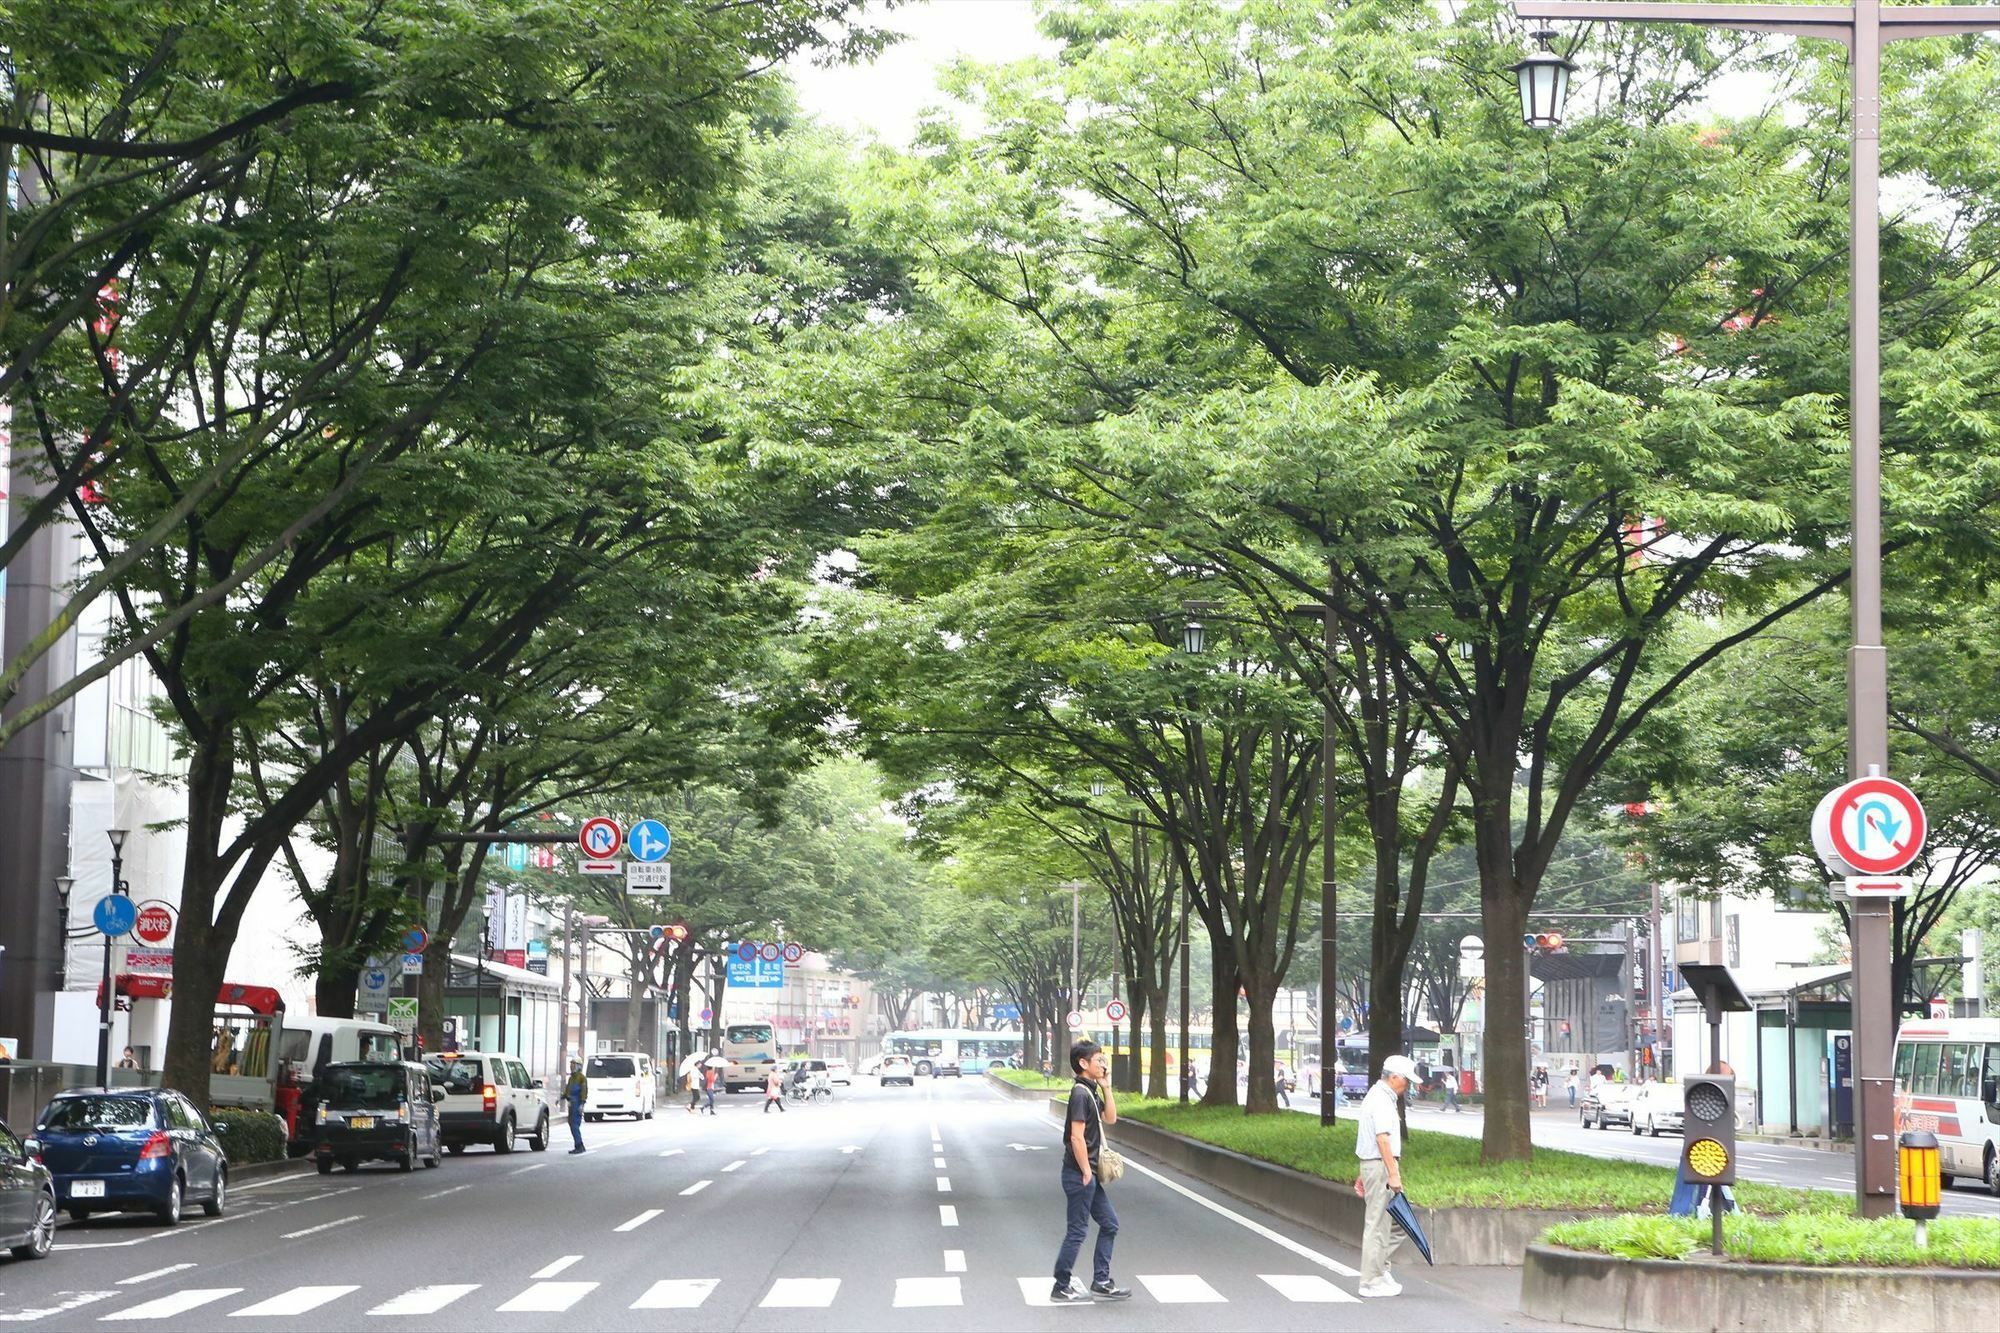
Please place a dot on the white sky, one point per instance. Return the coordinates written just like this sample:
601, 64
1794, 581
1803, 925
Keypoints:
886, 96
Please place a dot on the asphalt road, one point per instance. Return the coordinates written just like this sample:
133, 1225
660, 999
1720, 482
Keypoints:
886, 1209
1771, 1163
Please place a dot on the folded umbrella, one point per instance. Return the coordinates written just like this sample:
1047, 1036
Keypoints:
1404, 1216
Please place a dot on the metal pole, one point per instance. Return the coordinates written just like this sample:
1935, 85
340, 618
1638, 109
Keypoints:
569, 939
104, 994
1329, 893
1656, 989
479, 983
1075, 947
1185, 945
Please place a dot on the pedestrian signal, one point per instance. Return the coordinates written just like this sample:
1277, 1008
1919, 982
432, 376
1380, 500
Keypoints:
1708, 1134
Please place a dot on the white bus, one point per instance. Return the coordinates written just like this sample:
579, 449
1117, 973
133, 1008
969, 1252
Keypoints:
971, 1051
1948, 1082
751, 1050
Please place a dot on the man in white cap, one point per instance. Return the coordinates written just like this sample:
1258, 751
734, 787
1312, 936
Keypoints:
1378, 1142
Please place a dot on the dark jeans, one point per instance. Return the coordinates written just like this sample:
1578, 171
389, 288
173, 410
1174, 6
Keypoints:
1086, 1202
576, 1125
711, 1101
770, 1101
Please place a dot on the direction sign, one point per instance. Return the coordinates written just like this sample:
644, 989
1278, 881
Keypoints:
600, 867
155, 922
649, 841
656, 879
1871, 826
1073, 1019
1115, 1011
115, 914
600, 838
1876, 886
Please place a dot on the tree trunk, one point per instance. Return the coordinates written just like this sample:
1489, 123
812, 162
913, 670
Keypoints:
636, 976
1135, 1002
201, 950
1260, 1093
1221, 1090
1503, 918
430, 993
333, 990
1156, 1011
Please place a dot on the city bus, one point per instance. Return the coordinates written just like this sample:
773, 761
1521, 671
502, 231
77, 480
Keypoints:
971, 1051
1948, 1082
751, 1050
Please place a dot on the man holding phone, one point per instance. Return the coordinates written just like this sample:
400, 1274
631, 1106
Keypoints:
1091, 1108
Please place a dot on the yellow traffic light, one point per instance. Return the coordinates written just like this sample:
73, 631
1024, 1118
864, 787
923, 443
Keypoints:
1707, 1159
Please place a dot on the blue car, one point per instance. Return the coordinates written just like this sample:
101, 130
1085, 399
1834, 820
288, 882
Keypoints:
130, 1150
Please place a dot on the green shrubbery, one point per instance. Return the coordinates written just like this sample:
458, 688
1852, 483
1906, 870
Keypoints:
1818, 1238
251, 1136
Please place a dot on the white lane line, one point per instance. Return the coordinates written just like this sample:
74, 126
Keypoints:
294, 1302
524, 1170
166, 1307
157, 1272
673, 1152
324, 1226
677, 1293
1180, 1289
77, 1300
760, 1152
548, 1298
439, 1194
635, 1223
801, 1293
954, 1261
1303, 1251
936, 1146
937, 1163
551, 1270
927, 1291
1308, 1287
697, 1187
935, 1136
733, 1165
426, 1300
947, 1215
944, 1184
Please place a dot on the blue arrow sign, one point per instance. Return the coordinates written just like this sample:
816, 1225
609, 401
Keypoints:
649, 841
115, 914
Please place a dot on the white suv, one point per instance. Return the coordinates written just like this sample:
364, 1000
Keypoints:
488, 1099
619, 1083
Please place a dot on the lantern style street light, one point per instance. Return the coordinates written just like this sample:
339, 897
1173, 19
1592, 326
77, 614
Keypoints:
1862, 27
1544, 79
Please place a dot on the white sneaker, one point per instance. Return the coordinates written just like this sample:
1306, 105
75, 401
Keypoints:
1383, 1288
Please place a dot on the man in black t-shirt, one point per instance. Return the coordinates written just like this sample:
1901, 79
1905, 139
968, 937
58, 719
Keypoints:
1091, 1108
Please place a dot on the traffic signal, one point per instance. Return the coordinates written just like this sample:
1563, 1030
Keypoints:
1708, 1133
1546, 942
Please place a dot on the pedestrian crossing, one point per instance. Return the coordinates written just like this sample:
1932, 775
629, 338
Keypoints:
546, 1296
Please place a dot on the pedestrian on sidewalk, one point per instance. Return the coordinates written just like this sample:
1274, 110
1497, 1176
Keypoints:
693, 1085
575, 1088
709, 1076
1450, 1081
1378, 1142
1091, 1108
1569, 1084
774, 1090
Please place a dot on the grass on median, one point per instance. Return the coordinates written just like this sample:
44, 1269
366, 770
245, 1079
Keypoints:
1444, 1170
1027, 1078
1816, 1239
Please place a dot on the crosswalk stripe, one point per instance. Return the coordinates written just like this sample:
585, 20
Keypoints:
75, 1300
1180, 1289
296, 1301
1035, 1290
166, 1307
801, 1293
926, 1291
548, 1298
734, 1165
426, 1300
676, 1293
1307, 1287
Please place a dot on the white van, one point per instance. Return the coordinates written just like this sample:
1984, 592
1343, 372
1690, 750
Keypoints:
309, 1044
621, 1083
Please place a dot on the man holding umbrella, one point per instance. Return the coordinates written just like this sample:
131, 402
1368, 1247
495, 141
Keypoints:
1378, 1142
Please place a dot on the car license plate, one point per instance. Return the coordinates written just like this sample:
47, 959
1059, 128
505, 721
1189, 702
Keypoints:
361, 1122
86, 1189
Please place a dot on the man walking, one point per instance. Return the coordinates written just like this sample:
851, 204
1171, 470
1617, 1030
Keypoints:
1378, 1142
1091, 1108
774, 1090
575, 1088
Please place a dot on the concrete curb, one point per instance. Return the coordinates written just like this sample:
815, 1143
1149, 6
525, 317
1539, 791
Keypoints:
263, 1170
1465, 1237
1697, 1295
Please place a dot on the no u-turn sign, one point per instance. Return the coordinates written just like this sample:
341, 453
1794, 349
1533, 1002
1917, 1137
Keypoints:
1871, 826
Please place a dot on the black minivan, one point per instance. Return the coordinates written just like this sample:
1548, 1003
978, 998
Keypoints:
376, 1111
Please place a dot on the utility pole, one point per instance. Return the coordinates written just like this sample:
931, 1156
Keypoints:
569, 939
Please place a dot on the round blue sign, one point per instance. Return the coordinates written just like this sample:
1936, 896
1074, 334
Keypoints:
115, 914
648, 840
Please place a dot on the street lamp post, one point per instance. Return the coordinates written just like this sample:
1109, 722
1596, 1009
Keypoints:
64, 885
1863, 26
104, 1001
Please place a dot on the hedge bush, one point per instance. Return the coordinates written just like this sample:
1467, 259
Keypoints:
1814, 1239
252, 1136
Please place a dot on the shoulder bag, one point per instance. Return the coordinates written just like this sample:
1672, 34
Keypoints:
1110, 1162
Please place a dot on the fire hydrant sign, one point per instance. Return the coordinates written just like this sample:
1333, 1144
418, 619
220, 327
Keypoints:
1868, 827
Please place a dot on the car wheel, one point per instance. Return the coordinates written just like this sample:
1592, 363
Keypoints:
1992, 1172
326, 1166
436, 1155
539, 1140
42, 1234
79, 1214
454, 1148
408, 1160
504, 1140
1636, 1131
218, 1194
169, 1212
349, 1164
1653, 1126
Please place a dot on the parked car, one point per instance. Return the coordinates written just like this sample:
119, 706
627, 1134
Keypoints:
374, 1112
130, 1149
1657, 1106
488, 1099
620, 1083
27, 1200
872, 1065
898, 1069
1606, 1105
838, 1071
